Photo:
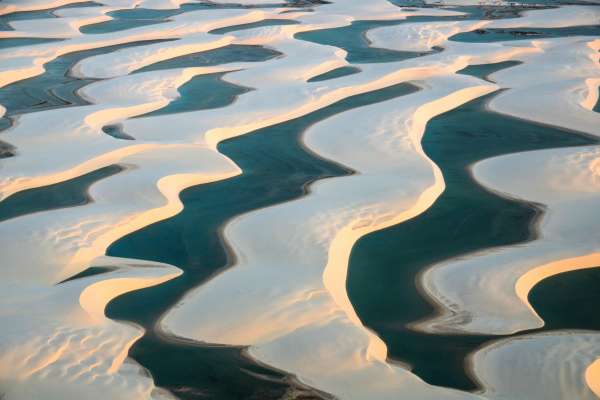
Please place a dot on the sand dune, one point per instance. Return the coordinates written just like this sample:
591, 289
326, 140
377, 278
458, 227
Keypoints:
557, 362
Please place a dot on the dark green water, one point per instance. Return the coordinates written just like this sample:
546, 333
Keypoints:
277, 168
56, 87
500, 35
140, 16
202, 92
6, 19
569, 299
89, 272
6, 150
484, 71
466, 218
16, 42
252, 25
70, 193
116, 25
227, 54
116, 131
335, 73
353, 40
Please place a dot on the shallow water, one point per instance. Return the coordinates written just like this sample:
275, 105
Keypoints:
6, 19
501, 35
335, 73
69, 193
569, 300
202, 92
222, 55
116, 25
56, 87
484, 71
352, 39
253, 25
16, 42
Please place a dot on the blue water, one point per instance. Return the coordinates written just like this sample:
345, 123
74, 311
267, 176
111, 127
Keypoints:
335, 73
200, 93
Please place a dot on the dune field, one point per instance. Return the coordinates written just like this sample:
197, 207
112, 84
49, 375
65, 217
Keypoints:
300, 199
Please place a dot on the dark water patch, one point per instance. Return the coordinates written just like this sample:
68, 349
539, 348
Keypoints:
16, 42
276, 168
466, 218
483, 71
568, 300
5, 123
491, 12
56, 87
335, 73
202, 92
554, 3
116, 25
252, 25
117, 132
484, 11
222, 55
480, 11
6, 19
70, 193
353, 40
91, 271
141, 13
500, 35
6, 150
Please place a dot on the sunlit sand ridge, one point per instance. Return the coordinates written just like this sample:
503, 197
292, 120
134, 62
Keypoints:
286, 295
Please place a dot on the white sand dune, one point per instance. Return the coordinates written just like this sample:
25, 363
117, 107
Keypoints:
557, 362
296, 315
567, 76
63, 347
